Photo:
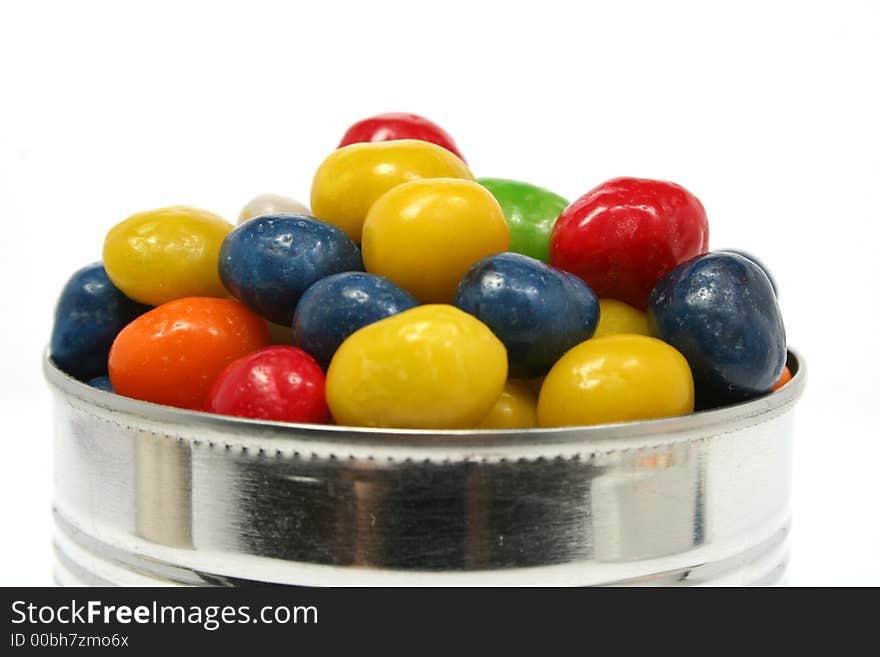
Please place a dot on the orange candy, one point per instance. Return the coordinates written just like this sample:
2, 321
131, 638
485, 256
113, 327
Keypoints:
172, 354
785, 378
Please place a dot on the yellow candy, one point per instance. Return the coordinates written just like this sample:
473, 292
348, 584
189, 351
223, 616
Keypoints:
618, 317
352, 178
617, 378
516, 408
431, 367
425, 235
166, 254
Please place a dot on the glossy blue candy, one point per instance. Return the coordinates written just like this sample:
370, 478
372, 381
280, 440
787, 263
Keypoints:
268, 262
102, 383
720, 312
749, 256
337, 306
89, 314
538, 312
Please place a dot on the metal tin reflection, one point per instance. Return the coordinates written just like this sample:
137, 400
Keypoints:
151, 494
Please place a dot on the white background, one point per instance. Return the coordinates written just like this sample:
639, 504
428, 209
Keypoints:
767, 111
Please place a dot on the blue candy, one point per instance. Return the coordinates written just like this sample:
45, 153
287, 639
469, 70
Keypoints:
538, 312
337, 306
101, 383
89, 315
268, 262
749, 256
719, 310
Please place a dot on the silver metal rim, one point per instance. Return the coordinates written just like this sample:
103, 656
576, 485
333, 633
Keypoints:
203, 498
287, 436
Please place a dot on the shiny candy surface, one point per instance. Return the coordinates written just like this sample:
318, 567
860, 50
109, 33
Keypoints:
88, 316
270, 261
538, 312
398, 125
424, 235
271, 204
749, 256
337, 306
531, 213
516, 408
166, 254
719, 310
622, 236
618, 317
618, 378
431, 367
276, 383
172, 354
352, 178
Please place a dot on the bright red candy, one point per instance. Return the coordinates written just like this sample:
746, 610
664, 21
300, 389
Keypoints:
276, 383
625, 234
397, 125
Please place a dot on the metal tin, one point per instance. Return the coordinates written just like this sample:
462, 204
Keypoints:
148, 494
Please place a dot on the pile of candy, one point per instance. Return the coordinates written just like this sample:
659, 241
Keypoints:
420, 297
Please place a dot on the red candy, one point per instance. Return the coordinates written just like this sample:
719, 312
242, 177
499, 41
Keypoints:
625, 234
397, 125
276, 383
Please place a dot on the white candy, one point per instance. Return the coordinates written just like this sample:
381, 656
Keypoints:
270, 204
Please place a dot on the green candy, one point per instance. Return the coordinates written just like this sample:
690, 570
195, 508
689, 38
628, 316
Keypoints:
531, 213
